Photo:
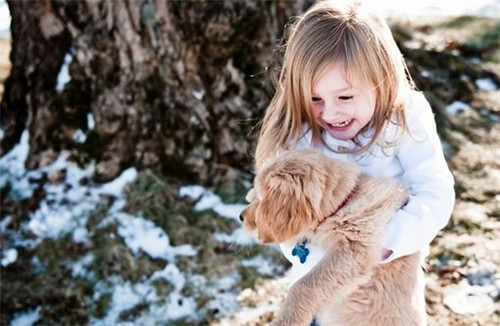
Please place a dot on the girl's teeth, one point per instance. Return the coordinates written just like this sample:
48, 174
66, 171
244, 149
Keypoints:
340, 124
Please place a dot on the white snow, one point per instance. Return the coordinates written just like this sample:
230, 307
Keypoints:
262, 264
170, 274
199, 94
12, 168
27, 318
194, 191
231, 211
486, 84
141, 234
208, 200
90, 121
466, 299
63, 77
464, 78
79, 136
237, 237
70, 199
52, 222
5, 222
68, 204
126, 295
9, 257
79, 267
457, 107
116, 186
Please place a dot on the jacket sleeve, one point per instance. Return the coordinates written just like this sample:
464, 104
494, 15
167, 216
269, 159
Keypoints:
430, 184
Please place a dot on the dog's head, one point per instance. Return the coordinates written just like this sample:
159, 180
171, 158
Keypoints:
294, 192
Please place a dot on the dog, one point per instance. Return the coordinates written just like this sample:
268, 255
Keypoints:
303, 197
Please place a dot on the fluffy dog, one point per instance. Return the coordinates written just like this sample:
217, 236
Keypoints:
303, 197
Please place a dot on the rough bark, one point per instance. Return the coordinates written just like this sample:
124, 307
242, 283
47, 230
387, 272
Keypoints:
170, 84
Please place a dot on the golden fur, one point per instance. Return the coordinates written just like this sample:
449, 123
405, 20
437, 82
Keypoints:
295, 194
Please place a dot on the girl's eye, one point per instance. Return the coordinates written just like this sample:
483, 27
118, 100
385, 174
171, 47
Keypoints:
316, 99
346, 98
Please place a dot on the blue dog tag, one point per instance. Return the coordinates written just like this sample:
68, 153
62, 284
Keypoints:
314, 323
301, 251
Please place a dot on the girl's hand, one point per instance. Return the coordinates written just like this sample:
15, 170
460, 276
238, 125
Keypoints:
386, 253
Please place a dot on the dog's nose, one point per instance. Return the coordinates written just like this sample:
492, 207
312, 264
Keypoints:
242, 217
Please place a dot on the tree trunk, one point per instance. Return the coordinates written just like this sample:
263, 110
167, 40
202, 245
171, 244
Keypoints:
176, 85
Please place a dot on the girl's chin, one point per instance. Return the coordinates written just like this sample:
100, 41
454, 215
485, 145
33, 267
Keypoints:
340, 136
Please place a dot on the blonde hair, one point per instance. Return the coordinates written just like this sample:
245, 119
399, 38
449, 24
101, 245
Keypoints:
326, 33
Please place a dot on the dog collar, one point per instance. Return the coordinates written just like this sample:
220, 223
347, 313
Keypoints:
300, 250
344, 202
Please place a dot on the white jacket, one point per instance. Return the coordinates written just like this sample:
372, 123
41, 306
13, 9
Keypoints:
418, 161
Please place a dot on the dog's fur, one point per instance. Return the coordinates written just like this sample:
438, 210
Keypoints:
295, 194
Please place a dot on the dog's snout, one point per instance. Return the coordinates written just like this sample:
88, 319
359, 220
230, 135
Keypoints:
242, 218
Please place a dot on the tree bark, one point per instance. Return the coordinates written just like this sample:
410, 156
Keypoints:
176, 85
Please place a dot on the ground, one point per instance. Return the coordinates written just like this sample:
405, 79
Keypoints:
146, 249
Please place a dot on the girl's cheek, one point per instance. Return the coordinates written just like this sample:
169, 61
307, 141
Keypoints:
317, 110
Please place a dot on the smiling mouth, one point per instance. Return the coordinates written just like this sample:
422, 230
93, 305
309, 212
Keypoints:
340, 124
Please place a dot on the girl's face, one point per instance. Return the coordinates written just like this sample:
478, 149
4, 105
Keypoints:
340, 108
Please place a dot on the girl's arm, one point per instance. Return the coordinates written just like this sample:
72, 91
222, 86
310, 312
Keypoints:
430, 183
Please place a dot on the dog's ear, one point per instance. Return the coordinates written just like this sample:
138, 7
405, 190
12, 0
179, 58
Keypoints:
286, 209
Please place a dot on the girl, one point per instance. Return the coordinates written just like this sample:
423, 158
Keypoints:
344, 88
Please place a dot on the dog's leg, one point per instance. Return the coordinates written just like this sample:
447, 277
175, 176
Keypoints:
339, 272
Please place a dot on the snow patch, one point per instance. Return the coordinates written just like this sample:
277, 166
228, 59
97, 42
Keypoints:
126, 295
486, 84
263, 265
12, 168
194, 192
90, 121
79, 267
141, 234
27, 318
465, 299
231, 211
237, 237
208, 200
9, 257
63, 77
68, 204
79, 136
456, 107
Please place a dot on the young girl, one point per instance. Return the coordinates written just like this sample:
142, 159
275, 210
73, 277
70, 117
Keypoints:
344, 88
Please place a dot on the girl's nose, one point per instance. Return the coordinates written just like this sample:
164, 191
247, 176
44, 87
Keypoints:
329, 113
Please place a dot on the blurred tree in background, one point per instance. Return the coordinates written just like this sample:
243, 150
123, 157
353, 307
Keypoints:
167, 84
